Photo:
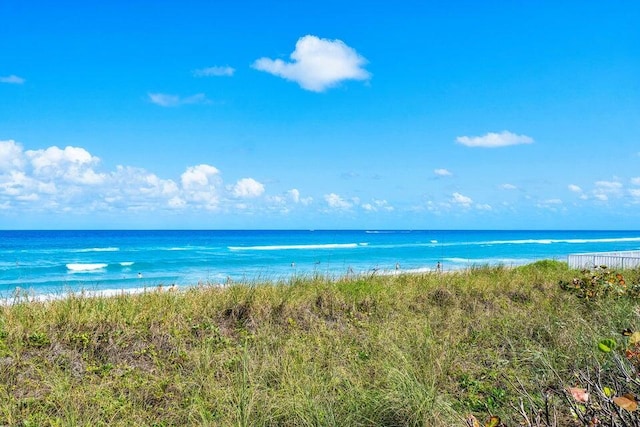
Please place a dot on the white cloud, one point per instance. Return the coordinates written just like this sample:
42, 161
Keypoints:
12, 79
201, 185
609, 185
377, 205
635, 181
11, 156
484, 207
247, 188
574, 188
317, 64
604, 190
294, 194
73, 164
508, 187
166, 100
215, 71
442, 172
492, 140
461, 200
336, 202
552, 202
199, 176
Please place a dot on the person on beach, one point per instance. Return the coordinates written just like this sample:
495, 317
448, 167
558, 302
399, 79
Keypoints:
438, 267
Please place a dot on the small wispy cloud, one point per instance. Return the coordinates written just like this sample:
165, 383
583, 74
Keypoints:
508, 187
551, 204
377, 205
166, 100
12, 79
574, 188
336, 202
317, 64
216, 71
461, 200
442, 172
494, 140
605, 190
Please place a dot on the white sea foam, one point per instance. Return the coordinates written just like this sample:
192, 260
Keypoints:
109, 249
551, 241
127, 263
295, 247
86, 267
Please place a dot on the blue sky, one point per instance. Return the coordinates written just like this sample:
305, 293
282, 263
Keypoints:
247, 114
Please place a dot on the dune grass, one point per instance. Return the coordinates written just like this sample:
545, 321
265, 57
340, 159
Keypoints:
418, 350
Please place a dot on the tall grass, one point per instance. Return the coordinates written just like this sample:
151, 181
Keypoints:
418, 350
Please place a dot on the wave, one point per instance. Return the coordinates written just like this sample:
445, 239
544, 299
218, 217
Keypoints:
297, 247
551, 241
86, 267
127, 263
109, 249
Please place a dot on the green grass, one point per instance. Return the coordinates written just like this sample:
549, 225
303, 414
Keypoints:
422, 350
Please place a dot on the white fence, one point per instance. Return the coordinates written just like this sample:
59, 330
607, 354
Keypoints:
619, 260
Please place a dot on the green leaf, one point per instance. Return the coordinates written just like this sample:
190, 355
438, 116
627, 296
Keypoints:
608, 391
607, 345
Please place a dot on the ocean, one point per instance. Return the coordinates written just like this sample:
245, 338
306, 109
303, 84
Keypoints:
57, 262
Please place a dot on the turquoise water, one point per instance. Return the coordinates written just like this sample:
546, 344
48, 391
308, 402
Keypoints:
54, 262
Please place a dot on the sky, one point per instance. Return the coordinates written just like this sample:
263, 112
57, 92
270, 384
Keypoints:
319, 115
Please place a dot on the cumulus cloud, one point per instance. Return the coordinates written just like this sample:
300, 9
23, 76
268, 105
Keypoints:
215, 71
10, 155
66, 179
294, 195
166, 100
493, 140
336, 202
12, 79
442, 172
247, 188
73, 164
508, 187
199, 176
317, 64
574, 188
461, 200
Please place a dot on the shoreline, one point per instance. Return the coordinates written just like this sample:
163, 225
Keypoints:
28, 296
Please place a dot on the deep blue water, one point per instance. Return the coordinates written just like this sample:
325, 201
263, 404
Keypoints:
54, 262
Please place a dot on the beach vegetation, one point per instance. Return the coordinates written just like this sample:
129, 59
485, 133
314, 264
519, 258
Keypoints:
490, 345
